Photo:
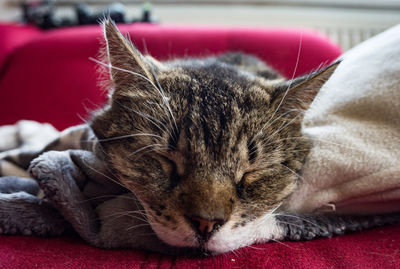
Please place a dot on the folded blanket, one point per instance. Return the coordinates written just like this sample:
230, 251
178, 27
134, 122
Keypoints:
354, 165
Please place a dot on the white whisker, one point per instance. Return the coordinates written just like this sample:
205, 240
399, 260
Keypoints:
290, 83
297, 217
294, 172
281, 128
113, 180
130, 135
143, 148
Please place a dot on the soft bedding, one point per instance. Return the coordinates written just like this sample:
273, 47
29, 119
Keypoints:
354, 164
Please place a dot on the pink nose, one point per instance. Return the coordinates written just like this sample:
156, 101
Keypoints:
205, 227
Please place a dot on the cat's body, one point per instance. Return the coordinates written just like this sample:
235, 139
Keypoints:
211, 147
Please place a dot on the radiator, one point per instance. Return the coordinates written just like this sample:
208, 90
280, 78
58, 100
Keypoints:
348, 37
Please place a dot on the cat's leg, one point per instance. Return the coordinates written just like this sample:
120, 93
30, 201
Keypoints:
57, 176
23, 213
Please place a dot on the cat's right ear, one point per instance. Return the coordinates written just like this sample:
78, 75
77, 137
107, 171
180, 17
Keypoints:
129, 69
298, 93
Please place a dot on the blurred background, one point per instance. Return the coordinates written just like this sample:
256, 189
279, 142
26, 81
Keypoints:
347, 22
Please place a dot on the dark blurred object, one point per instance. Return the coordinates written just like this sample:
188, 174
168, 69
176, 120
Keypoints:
115, 11
146, 13
42, 14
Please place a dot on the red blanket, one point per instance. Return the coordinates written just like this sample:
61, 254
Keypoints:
377, 248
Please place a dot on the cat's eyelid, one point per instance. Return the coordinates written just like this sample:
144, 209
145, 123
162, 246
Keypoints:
175, 157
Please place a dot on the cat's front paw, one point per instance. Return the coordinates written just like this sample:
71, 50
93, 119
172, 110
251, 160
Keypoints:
49, 169
38, 167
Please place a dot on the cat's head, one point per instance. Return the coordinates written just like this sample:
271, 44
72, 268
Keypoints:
210, 150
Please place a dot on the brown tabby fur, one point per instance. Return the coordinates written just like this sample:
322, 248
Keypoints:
216, 138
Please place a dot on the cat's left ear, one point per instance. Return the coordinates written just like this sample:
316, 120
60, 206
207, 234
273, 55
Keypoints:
298, 93
128, 67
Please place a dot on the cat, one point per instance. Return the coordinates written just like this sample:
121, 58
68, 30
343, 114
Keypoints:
211, 147
188, 157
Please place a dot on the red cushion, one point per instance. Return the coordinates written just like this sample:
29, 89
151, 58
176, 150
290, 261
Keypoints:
47, 76
12, 37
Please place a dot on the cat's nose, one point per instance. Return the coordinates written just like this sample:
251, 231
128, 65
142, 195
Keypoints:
205, 227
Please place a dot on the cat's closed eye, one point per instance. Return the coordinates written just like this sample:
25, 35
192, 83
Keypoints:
174, 176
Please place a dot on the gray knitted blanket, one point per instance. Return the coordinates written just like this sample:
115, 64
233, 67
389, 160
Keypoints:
54, 183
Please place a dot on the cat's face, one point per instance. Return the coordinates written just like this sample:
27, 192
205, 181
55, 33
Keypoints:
209, 150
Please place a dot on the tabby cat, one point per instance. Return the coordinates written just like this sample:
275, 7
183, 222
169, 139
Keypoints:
211, 147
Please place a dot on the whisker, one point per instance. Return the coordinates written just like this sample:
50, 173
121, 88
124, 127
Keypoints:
111, 196
300, 218
294, 172
113, 180
294, 72
166, 129
123, 70
165, 99
146, 52
131, 216
150, 118
256, 248
283, 139
152, 150
130, 135
279, 242
117, 216
268, 125
143, 148
281, 128
291, 80
137, 226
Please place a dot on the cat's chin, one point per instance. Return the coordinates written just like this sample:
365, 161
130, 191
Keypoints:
260, 230
227, 238
177, 238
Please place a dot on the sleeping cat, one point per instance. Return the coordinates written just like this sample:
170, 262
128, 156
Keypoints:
211, 147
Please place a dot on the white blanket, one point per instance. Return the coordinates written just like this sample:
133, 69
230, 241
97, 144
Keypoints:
354, 123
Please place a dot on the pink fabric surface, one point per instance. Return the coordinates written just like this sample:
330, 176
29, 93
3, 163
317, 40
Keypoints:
376, 248
48, 77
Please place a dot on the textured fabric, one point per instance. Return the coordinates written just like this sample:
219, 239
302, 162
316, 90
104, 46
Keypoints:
49, 78
354, 165
377, 248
